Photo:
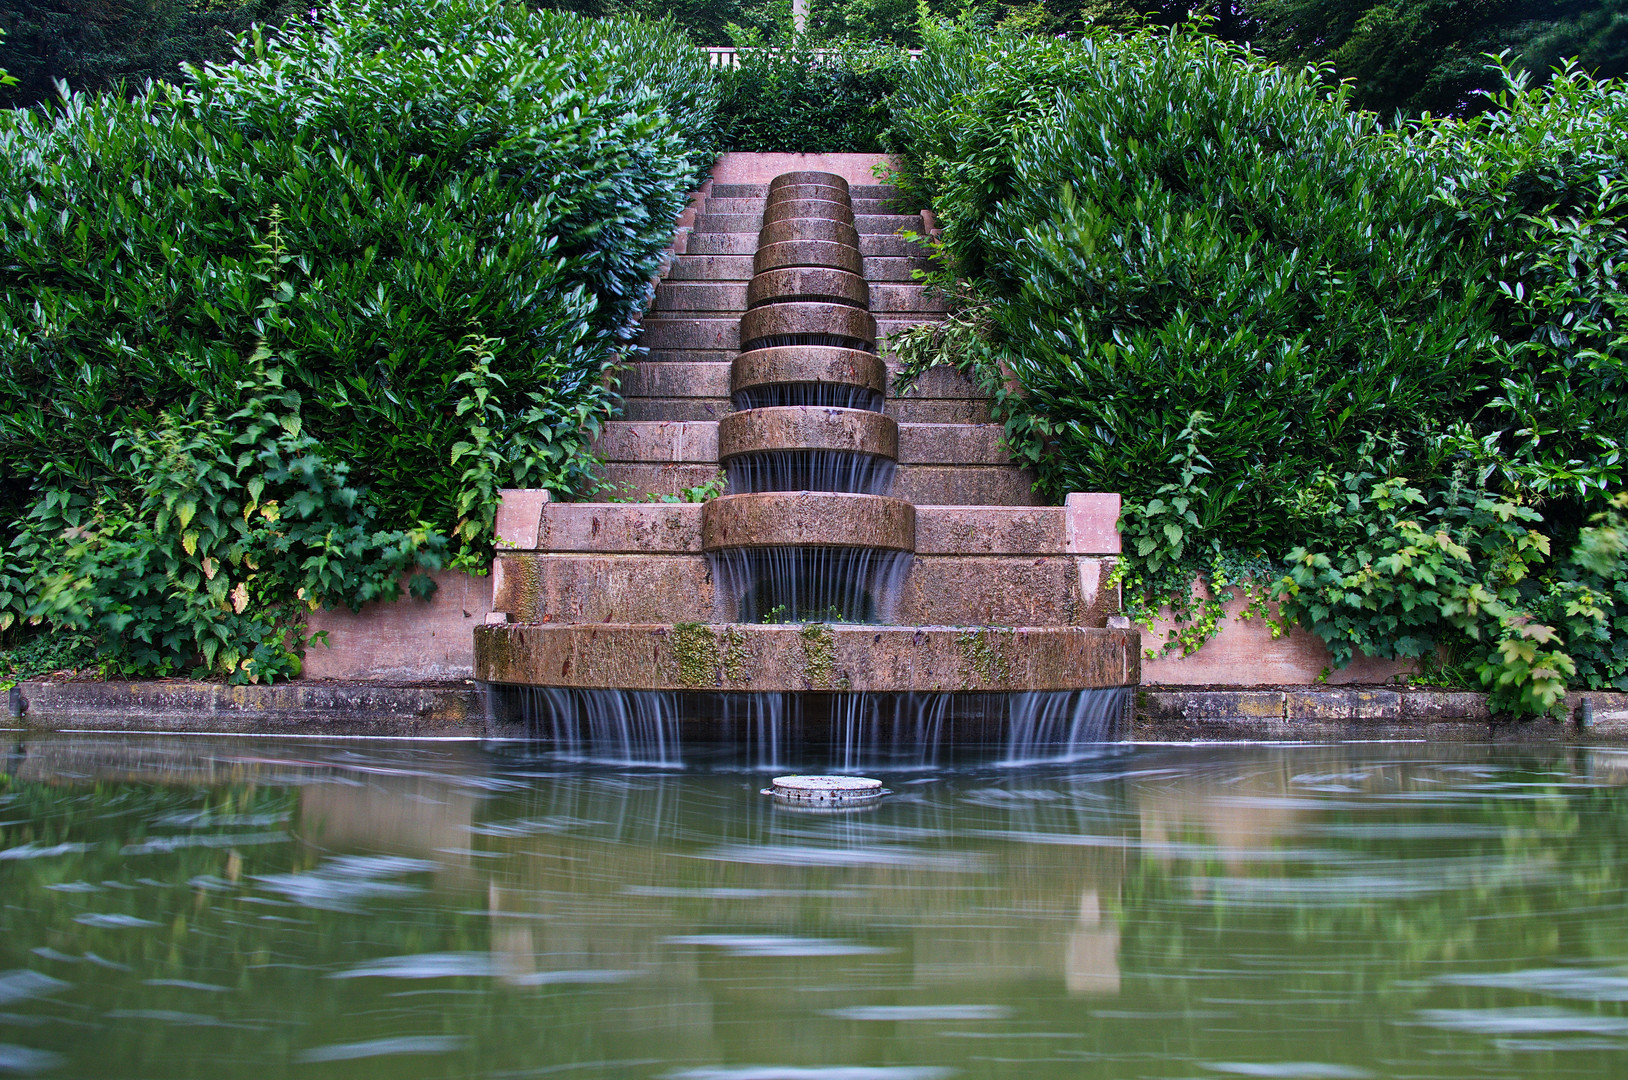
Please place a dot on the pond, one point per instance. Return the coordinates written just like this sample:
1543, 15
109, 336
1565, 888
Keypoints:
215, 907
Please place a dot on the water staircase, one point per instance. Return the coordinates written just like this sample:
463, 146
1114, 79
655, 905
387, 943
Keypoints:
878, 562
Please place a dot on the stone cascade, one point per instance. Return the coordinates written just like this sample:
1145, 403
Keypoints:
868, 547
809, 529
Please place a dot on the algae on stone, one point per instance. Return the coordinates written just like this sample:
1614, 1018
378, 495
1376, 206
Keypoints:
820, 658
695, 647
984, 652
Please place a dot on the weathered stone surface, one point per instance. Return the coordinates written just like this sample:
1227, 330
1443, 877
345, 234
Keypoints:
788, 209
895, 299
825, 192
721, 335
967, 485
700, 296
519, 511
808, 519
993, 590
595, 588
677, 408
953, 444
641, 441
789, 229
807, 427
883, 269
797, 317
888, 224
794, 177
814, 657
939, 382
636, 481
871, 245
807, 363
407, 639
622, 528
759, 169
677, 379
1092, 522
807, 283
366, 707
1357, 704
824, 254
989, 530
737, 268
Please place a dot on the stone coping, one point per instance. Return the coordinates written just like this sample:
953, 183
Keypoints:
807, 427
814, 253
814, 656
808, 519
834, 232
807, 317
807, 364
823, 209
808, 283
808, 176
826, 192
456, 709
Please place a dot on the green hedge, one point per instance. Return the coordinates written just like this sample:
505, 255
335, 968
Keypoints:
273, 336
795, 96
1380, 369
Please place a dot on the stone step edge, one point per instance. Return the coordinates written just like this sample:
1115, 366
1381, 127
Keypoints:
528, 519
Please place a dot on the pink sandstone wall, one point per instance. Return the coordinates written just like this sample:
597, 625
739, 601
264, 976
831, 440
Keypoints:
1244, 654
409, 640
761, 168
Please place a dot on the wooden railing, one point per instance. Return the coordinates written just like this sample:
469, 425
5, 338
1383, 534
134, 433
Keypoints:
730, 57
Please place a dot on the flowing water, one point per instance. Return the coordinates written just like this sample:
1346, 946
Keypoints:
809, 584
254, 908
810, 470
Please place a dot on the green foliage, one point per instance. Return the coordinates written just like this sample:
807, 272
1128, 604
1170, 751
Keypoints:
1254, 312
99, 45
790, 94
369, 274
1418, 55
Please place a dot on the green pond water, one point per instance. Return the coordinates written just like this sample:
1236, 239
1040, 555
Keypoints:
257, 908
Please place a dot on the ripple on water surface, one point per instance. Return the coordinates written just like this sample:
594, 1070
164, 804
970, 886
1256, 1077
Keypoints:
224, 907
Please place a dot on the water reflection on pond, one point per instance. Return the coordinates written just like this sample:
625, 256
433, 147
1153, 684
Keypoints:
185, 907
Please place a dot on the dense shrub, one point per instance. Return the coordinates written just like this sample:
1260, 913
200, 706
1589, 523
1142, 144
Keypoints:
790, 95
1389, 358
271, 337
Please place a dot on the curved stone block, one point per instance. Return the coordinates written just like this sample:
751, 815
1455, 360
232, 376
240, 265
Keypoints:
790, 657
808, 283
804, 427
811, 191
814, 253
807, 364
808, 519
807, 319
808, 176
821, 209
835, 232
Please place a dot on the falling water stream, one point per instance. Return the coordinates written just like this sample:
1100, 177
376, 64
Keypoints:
293, 908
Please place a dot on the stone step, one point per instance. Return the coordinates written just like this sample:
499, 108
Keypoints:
736, 205
738, 268
695, 442
730, 297
675, 529
681, 373
885, 224
861, 659
939, 590
761, 191
904, 410
745, 243
961, 485
674, 330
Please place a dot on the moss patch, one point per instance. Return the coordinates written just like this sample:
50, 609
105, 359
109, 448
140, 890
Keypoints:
734, 655
820, 658
695, 647
984, 653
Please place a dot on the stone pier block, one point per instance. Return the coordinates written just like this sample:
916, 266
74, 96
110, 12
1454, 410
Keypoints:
519, 517
1092, 522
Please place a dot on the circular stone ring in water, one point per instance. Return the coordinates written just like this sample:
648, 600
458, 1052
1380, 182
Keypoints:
825, 790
